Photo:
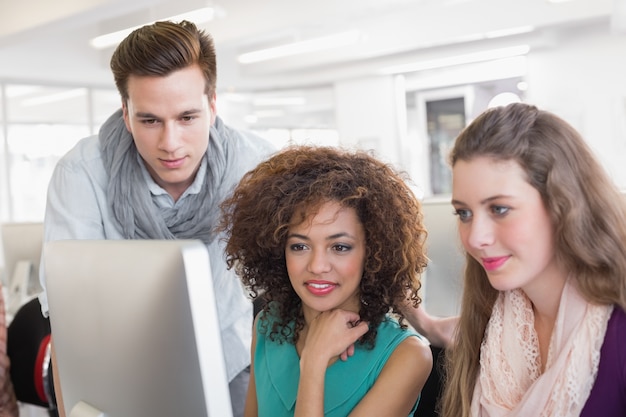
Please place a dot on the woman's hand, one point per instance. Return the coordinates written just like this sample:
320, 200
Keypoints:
438, 330
332, 334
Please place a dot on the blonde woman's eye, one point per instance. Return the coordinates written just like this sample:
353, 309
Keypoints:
463, 214
500, 210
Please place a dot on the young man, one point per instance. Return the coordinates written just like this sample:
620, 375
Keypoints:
159, 168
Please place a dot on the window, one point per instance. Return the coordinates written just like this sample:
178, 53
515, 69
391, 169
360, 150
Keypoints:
40, 124
444, 120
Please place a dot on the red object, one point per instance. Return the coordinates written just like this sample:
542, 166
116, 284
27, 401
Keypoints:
41, 356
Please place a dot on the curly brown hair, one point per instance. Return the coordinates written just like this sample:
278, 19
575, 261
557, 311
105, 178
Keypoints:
292, 185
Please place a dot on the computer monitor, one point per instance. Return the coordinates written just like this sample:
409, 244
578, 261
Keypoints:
135, 328
21, 248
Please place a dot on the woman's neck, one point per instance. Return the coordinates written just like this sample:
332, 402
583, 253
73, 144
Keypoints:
546, 299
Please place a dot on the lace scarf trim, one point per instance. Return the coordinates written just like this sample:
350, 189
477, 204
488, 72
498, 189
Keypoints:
510, 381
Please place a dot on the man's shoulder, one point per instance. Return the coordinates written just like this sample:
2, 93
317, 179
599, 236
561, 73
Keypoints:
250, 141
85, 154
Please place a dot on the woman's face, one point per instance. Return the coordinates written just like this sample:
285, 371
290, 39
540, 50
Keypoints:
504, 224
325, 255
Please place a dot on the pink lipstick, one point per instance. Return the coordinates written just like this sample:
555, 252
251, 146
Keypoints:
491, 264
320, 288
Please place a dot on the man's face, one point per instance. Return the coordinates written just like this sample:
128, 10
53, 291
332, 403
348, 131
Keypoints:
170, 118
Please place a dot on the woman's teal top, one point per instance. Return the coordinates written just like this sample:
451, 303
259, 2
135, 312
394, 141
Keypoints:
277, 372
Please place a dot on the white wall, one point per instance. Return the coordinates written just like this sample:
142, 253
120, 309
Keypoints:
580, 76
583, 80
366, 113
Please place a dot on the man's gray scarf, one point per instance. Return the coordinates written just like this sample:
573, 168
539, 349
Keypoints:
131, 200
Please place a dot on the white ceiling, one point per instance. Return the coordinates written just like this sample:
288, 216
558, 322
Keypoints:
47, 41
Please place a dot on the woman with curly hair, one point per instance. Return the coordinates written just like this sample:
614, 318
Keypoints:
542, 330
334, 241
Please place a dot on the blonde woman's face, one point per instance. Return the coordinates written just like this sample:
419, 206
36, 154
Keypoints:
504, 224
